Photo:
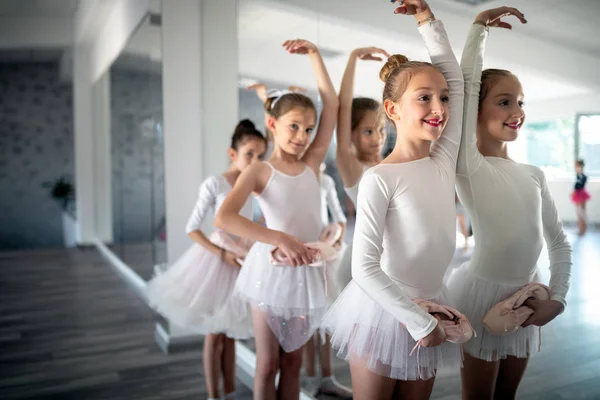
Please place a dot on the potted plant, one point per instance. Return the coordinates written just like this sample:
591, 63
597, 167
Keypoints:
63, 191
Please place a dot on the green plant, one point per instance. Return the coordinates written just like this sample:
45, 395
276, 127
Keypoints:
63, 191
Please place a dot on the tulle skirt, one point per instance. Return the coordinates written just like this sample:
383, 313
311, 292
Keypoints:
195, 293
292, 299
474, 297
360, 328
580, 196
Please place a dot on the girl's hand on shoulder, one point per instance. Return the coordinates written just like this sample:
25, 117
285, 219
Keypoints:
493, 17
410, 7
370, 53
300, 46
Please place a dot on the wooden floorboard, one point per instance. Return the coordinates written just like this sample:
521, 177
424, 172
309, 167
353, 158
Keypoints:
71, 329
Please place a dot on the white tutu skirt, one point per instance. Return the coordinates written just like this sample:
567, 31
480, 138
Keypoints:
195, 293
361, 329
474, 297
291, 298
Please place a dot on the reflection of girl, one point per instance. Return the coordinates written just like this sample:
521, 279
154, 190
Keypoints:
508, 243
580, 197
405, 207
287, 302
195, 292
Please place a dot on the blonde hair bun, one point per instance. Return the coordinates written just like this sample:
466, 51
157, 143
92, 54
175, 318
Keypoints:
392, 63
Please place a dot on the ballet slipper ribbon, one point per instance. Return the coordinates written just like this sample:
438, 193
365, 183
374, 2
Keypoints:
418, 348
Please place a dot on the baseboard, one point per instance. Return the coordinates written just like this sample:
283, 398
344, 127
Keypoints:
174, 344
131, 278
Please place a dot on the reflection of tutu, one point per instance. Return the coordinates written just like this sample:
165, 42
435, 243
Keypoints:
292, 298
474, 297
361, 328
195, 293
580, 196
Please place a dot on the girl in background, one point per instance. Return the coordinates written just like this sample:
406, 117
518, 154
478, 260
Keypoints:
580, 196
287, 302
195, 292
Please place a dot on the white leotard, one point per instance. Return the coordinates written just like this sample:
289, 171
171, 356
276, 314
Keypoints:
408, 210
510, 206
292, 204
352, 191
211, 195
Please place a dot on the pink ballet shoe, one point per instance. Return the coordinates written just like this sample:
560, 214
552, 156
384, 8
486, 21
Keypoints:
507, 316
457, 327
331, 235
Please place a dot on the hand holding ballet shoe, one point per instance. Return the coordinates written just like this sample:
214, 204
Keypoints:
369, 53
320, 254
294, 251
232, 259
544, 311
435, 338
456, 325
300, 46
510, 314
493, 17
332, 235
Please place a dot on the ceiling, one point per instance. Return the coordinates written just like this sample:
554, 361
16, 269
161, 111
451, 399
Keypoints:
264, 25
558, 26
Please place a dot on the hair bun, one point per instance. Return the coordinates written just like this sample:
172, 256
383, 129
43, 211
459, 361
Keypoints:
244, 124
392, 63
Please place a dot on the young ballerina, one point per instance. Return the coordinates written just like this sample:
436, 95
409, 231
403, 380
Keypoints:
512, 211
287, 302
580, 196
195, 292
405, 206
360, 130
360, 137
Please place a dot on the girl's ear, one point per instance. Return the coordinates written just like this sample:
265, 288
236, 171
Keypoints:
232, 154
391, 109
271, 123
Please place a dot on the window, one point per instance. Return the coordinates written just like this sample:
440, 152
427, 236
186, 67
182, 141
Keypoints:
550, 145
588, 142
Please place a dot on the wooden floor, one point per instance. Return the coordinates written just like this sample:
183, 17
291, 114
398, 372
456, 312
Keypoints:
568, 366
70, 329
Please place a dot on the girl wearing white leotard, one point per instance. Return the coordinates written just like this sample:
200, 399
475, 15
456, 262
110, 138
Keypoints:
195, 292
512, 211
405, 229
288, 302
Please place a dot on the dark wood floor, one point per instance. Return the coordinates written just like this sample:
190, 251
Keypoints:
568, 366
71, 329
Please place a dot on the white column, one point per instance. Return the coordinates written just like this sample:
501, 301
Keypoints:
103, 160
200, 100
200, 103
84, 146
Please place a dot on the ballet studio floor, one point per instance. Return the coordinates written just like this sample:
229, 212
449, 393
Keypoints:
71, 329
